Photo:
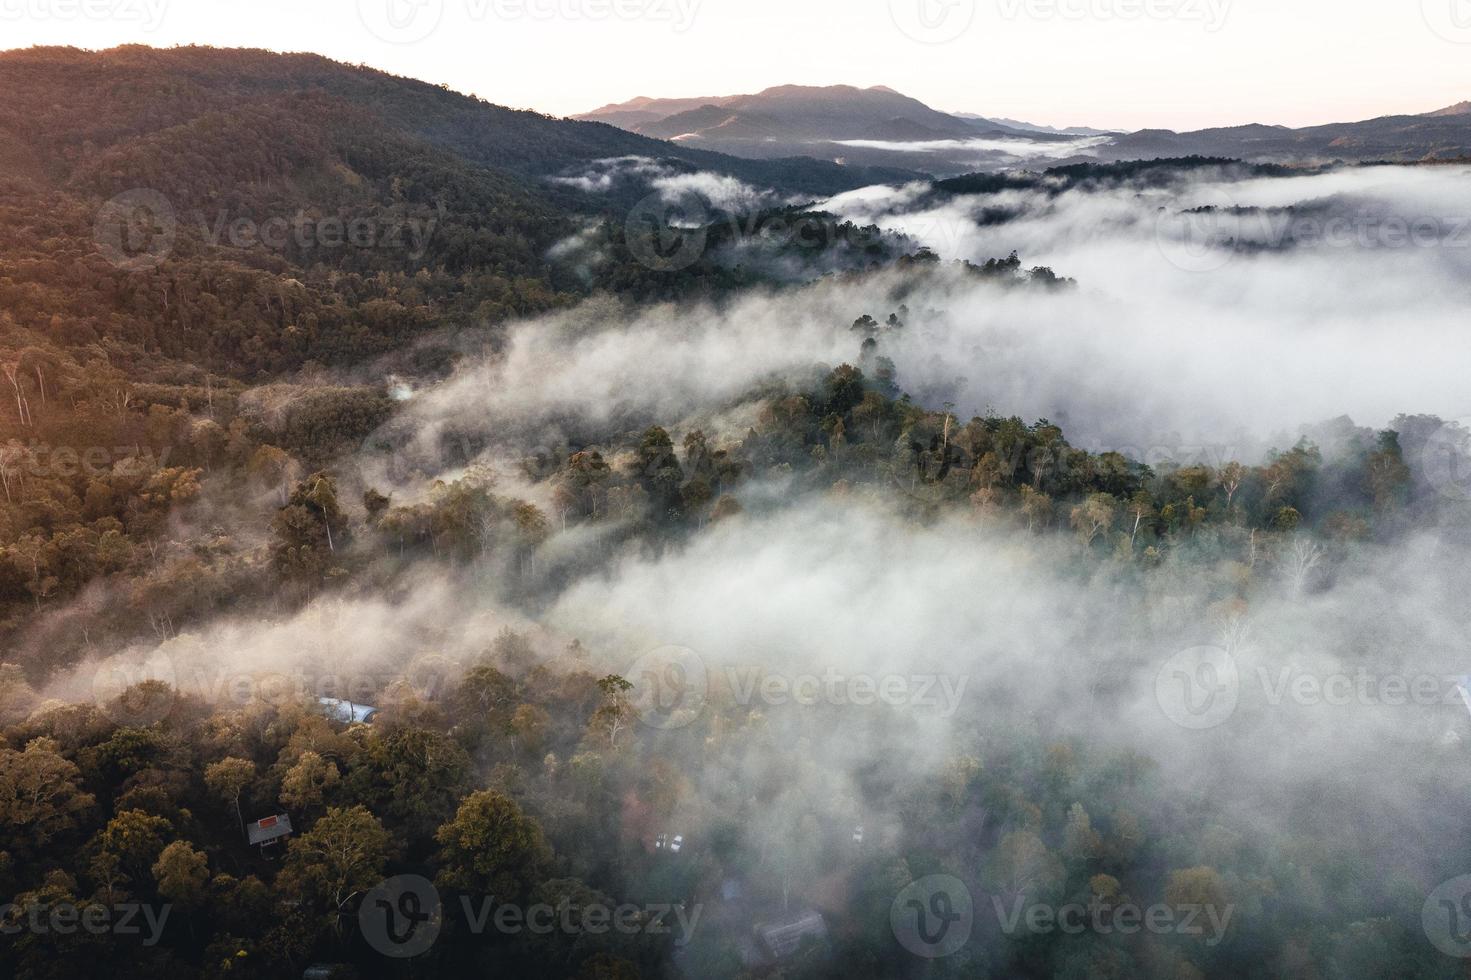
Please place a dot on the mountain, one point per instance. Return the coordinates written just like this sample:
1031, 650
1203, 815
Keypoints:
1439, 135
880, 127
793, 113
1027, 127
627, 115
457, 206
135, 92
871, 127
1459, 109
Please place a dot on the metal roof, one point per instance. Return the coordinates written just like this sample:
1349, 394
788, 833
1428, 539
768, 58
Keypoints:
267, 829
347, 711
785, 939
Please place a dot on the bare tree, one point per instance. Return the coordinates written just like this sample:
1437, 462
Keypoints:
1233, 474
1303, 555
9, 457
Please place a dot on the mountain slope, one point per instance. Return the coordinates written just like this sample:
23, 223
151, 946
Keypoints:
825, 122
870, 127
794, 113
270, 211
60, 100
1027, 127
1443, 134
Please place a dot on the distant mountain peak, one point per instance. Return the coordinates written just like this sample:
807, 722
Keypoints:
806, 90
1459, 109
793, 118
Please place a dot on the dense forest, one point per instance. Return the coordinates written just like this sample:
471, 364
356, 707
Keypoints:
214, 439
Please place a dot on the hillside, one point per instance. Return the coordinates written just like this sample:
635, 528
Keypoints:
824, 122
59, 100
815, 121
1443, 134
791, 113
450, 192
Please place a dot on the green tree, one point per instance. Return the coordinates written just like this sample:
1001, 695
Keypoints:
131, 842
228, 778
181, 873
309, 530
309, 782
342, 856
41, 793
492, 848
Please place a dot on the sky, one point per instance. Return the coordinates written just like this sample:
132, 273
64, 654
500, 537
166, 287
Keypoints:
1128, 64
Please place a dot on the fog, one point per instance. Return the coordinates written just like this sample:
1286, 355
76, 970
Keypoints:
1169, 346
987, 150
669, 181
1218, 340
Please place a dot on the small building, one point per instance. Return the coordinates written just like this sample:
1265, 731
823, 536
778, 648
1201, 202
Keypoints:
329, 971
781, 940
347, 712
268, 831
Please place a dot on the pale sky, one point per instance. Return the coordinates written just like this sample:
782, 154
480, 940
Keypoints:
1176, 64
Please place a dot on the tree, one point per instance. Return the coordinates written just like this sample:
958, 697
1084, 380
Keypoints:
1232, 475
987, 472
1094, 516
532, 526
613, 713
1287, 519
1080, 842
227, 778
1302, 557
486, 697
1037, 507
1199, 886
659, 472
872, 414
131, 842
725, 508
844, 389
307, 784
32, 556
1022, 865
1387, 475
375, 503
413, 776
181, 873
583, 480
17, 697
1141, 513
959, 776
309, 529
529, 724
492, 848
40, 793
272, 468
341, 856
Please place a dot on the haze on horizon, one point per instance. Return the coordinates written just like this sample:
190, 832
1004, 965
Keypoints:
1126, 64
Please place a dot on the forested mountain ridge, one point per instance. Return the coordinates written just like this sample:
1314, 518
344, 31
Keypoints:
62, 104
179, 226
449, 192
796, 112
